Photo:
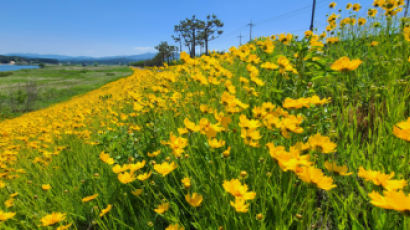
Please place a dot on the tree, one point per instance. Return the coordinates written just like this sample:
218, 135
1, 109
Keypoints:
208, 29
187, 30
179, 38
165, 51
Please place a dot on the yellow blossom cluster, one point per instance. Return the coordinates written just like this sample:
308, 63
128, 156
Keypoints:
402, 130
290, 103
390, 7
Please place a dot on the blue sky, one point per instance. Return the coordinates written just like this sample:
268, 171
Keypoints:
126, 27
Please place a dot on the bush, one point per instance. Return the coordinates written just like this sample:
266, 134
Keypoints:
5, 74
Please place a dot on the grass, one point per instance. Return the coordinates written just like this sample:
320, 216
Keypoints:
32, 89
242, 126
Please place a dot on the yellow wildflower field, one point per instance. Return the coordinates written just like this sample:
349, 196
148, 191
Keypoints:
279, 133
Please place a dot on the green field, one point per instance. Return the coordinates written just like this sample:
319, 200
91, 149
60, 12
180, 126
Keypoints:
32, 89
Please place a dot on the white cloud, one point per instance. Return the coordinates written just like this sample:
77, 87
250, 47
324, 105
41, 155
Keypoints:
144, 49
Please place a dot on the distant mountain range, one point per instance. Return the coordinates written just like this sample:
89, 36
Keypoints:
85, 59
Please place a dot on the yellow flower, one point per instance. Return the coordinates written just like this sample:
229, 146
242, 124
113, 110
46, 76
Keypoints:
332, 5
332, 40
52, 218
14, 194
288, 160
402, 129
395, 200
356, 7
186, 182
374, 43
290, 103
162, 208
333, 167
126, 177
137, 166
285, 65
285, 39
371, 12
191, 126
123, 116
348, 6
105, 210
246, 123
251, 137
314, 175
194, 200
89, 198
257, 81
182, 131
223, 119
214, 143
64, 227
361, 21
165, 168
344, 64
135, 128
240, 205
119, 169
154, 154
144, 176
239, 191
268, 46
46, 187
269, 66
137, 192
9, 203
406, 33
6, 215
379, 178
227, 152
177, 144
106, 158
174, 227
324, 143
308, 33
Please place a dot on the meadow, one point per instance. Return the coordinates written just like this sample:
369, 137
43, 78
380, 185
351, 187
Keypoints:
280, 133
32, 89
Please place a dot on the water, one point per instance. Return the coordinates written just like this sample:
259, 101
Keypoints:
17, 67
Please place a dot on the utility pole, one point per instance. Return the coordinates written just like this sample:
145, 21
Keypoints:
313, 15
407, 8
240, 39
250, 30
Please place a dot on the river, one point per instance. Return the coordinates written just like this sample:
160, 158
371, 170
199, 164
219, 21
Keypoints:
16, 67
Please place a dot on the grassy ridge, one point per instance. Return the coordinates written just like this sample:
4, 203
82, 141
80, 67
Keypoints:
275, 134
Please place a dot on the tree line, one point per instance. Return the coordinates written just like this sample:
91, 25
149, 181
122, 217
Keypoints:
25, 60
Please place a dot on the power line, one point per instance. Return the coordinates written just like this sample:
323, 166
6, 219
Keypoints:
240, 39
292, 12
281, 16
